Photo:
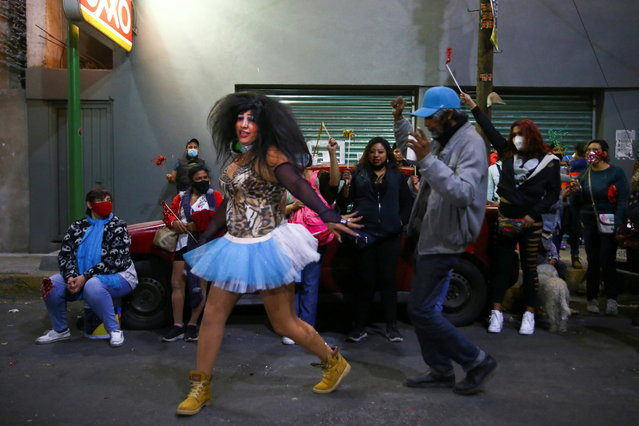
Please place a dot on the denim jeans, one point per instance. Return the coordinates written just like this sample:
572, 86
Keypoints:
440, 341
306, 291
98, 296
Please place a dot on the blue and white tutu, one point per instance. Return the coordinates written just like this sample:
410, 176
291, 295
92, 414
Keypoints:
245, 265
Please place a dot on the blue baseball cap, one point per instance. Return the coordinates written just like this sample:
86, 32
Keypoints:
436, 98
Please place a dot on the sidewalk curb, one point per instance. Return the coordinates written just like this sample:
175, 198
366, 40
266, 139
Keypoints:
22, 285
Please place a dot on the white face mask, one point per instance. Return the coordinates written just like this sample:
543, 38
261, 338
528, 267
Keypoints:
191, 152
519, 142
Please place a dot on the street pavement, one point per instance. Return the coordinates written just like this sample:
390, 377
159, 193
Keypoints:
586, 376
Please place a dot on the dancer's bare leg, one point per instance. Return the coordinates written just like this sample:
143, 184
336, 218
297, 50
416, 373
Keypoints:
178, 283
219, 305
280, 308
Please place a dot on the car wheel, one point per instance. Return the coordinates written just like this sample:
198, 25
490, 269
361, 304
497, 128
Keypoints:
149, 305
466, 297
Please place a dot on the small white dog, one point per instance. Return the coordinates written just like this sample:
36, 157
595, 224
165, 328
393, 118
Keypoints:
554, 297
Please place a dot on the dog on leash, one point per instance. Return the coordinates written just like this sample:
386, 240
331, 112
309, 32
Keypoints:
554, 296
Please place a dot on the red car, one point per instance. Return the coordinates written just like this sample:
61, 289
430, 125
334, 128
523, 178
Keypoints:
149, 306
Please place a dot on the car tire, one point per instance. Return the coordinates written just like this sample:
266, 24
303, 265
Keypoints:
466, 297
149, 305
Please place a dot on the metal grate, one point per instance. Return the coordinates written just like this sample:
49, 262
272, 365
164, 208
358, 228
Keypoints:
570, 115
367, 112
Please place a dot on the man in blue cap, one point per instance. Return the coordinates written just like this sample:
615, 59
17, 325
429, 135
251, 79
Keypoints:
447, 215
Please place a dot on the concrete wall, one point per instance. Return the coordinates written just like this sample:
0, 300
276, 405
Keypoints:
186, 55
14, 182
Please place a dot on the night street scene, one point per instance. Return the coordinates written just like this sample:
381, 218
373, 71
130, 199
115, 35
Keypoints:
372, 212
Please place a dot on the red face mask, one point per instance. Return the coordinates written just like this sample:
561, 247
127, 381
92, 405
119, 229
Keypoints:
102, 208
596, 156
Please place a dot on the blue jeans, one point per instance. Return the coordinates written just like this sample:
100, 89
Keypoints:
306, 291
440, 341
97, 295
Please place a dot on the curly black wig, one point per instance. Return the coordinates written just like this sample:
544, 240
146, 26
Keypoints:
276, 127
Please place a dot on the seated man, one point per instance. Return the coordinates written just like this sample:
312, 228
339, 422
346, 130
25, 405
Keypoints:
95, 266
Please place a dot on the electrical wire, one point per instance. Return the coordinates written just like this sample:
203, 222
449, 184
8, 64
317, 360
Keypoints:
603, 74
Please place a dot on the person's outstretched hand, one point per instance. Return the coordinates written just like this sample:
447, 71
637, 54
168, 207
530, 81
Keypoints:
467, 100
332, 145
419, 143
351, 223
398, 105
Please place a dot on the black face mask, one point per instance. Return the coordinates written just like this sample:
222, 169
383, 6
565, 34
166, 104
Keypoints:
201, 187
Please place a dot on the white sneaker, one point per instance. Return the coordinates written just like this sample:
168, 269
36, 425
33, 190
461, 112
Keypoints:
287, 341
612, 307
496, 321
117, 338
53, 336
527, 323
593, 306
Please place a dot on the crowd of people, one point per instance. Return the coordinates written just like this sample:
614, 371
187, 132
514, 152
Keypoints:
268, 228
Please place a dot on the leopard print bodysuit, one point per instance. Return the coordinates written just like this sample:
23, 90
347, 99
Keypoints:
254, 204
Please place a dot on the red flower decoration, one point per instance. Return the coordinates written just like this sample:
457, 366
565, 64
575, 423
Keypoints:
159, 160
612, 194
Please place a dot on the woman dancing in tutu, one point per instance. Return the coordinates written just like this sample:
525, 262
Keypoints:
261, 251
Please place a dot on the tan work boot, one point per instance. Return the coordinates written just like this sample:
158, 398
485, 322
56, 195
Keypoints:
333, 371
199, 396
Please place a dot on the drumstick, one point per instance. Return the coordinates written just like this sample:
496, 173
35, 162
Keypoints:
449, 51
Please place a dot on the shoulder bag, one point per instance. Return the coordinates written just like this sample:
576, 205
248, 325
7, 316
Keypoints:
165, 238
605, 221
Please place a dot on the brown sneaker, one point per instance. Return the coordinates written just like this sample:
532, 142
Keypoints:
199, 396
335, 369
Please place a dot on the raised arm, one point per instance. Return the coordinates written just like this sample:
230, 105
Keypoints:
493, 135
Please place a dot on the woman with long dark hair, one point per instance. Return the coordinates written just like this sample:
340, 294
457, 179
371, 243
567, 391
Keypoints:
602, 198
381, 195
529, 185
261, 251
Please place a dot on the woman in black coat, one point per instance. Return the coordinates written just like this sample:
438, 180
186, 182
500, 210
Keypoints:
380, 193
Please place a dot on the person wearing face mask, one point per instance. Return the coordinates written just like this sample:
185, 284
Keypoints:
95, 266
194, 207
602, 190
529, 186
190, 158
382, 196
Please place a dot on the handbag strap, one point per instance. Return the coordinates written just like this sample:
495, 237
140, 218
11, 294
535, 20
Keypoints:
543, 163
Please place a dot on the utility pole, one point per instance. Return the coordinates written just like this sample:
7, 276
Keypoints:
484, 55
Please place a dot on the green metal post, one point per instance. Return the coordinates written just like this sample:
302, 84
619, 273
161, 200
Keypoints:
75, 164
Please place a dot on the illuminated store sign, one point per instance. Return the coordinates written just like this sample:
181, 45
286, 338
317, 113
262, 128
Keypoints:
112, 18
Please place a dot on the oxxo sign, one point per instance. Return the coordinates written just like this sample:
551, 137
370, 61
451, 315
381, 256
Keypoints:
112, 18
